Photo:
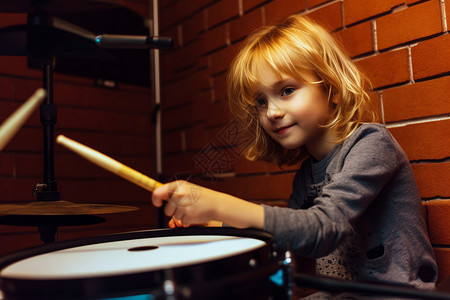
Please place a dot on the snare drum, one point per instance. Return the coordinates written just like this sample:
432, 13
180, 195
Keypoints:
182, 263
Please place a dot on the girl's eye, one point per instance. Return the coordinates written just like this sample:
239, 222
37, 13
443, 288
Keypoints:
287, 91
261, 102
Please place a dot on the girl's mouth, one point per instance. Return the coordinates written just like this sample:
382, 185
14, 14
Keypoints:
282, 130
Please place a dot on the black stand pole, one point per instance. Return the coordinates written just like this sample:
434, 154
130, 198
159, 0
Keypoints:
41, 49
49, 191
48, 120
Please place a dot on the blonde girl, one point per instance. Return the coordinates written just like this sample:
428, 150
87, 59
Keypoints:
355, 206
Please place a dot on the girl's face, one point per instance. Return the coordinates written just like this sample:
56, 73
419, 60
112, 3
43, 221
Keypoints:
290, 111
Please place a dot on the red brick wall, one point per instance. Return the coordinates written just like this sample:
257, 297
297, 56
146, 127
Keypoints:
403, 46
116, 122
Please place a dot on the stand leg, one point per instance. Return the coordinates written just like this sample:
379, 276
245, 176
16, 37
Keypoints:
48, 120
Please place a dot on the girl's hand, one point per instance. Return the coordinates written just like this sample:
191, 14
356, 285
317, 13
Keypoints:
190, 204
187, 203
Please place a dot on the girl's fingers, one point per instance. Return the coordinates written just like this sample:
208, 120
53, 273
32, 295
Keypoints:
172, 223
170, 208
160, 194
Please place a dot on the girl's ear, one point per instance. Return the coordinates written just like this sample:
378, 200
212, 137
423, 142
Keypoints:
334, 99
333, 95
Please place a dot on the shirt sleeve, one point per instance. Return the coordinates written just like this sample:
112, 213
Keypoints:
366, 167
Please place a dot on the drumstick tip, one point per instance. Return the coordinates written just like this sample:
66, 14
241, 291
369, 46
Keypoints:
60, 139
41, 93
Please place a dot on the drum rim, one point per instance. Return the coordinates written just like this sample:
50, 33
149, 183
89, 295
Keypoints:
163, 232
93, 288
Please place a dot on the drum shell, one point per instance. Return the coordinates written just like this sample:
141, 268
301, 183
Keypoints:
213, 279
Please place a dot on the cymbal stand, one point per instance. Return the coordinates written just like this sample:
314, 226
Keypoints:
40, 49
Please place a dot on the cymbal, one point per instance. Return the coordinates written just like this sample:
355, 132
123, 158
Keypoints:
56, 221
54, 208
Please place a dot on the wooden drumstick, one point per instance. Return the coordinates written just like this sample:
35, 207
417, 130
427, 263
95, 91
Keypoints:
109, 164
13, 123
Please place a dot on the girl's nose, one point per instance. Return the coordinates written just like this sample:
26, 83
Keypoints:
274, 111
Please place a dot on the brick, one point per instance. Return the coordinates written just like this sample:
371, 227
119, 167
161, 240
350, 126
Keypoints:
417, 100
329, 16
163, 4
102, 191
172, 141
85, 119
139, 7
177, 35
244, 166
6, 88
7, 164
193, 27
424, 140
278, 9
438, 221
196, 138
447, 13
432, 179
180, 59
313, 3
184, 90
356, 10
214, 39
173, 14
246, 24
18, 190
250, 4
443, 262
417, 22
201, 106
8, 108
179, 163
14, 242
220, 87
257, 188
114, 145
100, 98
12, 19
141, 219
376, 105
221, 112
178, 117
221, 12
18, 65
27, 139
29, 164
221, 60
429, 57
357, 39
24, 88
72, 166
387, 68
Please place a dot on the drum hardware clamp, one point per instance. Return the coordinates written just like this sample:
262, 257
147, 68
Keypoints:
288, 266
38, 187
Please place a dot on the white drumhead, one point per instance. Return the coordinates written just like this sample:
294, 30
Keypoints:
115, 258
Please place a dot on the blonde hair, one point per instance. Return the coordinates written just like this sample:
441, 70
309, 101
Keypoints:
292, 47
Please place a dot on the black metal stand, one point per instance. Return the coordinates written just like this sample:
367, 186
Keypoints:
41, 53
48, 120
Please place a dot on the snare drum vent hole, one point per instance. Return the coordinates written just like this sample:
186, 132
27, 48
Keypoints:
143, 248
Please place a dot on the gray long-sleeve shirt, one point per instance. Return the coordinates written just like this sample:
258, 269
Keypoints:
359, 213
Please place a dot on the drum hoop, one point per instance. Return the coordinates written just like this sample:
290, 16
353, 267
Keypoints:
165, 232
90, 288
